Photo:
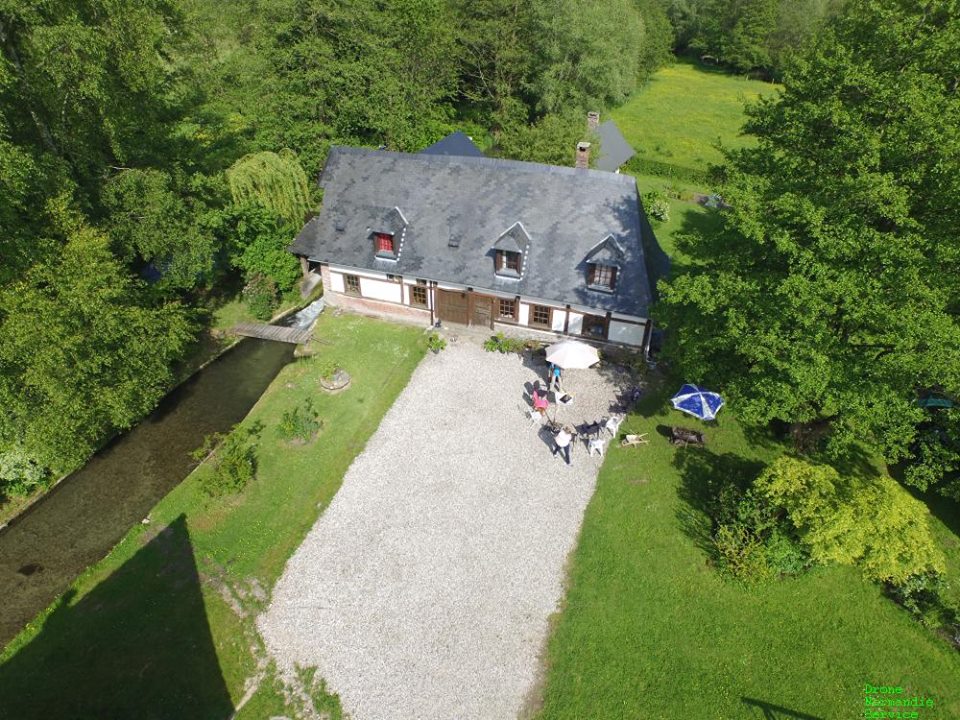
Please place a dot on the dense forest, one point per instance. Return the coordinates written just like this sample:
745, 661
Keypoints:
756, 36
156, 157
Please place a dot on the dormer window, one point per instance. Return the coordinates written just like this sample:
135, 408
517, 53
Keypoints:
383, 242
508, 263
387, 231
603, 264
510, 251
602, 277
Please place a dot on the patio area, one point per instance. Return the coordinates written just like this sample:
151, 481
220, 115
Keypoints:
424, 589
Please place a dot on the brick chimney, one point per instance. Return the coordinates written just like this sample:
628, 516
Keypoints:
583, 155
593, 121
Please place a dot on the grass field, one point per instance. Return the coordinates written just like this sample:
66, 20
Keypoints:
649, 629
163, 627
684, 110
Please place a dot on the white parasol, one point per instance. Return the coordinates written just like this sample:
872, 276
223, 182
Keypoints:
572, 354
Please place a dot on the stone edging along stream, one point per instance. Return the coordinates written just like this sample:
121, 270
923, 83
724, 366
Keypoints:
220, 353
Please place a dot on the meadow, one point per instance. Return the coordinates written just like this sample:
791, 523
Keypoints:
686, 111
649, 628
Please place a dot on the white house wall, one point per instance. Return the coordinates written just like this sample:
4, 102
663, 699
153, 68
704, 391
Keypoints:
523, 314
623, 329
559, 319
380, 290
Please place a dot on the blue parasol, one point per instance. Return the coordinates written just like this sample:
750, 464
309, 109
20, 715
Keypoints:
698, 402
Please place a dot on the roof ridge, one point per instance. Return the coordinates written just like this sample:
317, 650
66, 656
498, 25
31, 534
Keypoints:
520, 165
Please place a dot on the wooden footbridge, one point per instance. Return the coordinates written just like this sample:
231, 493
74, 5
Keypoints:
295, 336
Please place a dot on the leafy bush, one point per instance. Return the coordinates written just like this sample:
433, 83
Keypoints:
300, 423
261, 297
934, 460
925, 597
233, 460
328, 368
741, 554
657, 205
785, 554
753, 542
21, 474
873, 523
643, 166
435, 342
502, 344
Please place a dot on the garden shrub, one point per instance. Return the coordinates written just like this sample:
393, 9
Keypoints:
435, 342
300, 423
741, 554
785, 554
753, 541
873, 523
924, 596
501, 343
233, 460
328, 368
657, 205
20, 474
261, 297
642, 166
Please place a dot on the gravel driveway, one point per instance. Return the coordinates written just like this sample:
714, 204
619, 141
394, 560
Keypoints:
424, 589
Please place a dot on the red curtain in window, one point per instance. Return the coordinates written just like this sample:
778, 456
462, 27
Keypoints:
384, 242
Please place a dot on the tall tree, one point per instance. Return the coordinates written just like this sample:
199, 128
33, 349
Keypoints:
365, 72
275, 181
737, 32
82, 352
587, 53
494, 38
93, 83
829, 298
152, 221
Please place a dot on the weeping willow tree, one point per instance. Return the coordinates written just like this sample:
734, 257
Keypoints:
275, 181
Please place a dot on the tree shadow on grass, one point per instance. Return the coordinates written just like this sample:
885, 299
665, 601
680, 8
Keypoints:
703, 474
137, 646
776, 712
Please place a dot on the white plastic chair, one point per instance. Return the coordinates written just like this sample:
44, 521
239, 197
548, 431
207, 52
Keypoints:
597, 445
613, 424
533, 416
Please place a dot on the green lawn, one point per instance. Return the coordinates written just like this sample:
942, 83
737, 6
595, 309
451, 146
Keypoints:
683, 110
649, 629
148, 632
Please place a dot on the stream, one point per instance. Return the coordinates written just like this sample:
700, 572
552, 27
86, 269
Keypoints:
76, 524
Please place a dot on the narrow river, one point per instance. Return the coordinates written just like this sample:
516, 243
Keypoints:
75, 525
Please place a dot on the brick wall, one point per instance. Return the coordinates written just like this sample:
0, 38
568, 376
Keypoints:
379, 308
325, 274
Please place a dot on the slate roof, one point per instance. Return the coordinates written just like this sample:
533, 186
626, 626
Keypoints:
457, 143
456, 210
614, 148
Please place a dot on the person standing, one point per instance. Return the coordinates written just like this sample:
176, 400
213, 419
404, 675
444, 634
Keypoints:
562, 441
555, 378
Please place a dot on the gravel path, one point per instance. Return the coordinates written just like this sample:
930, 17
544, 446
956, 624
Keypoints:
424, 589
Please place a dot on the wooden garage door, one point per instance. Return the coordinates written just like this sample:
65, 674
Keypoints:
454, 307
482, 311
